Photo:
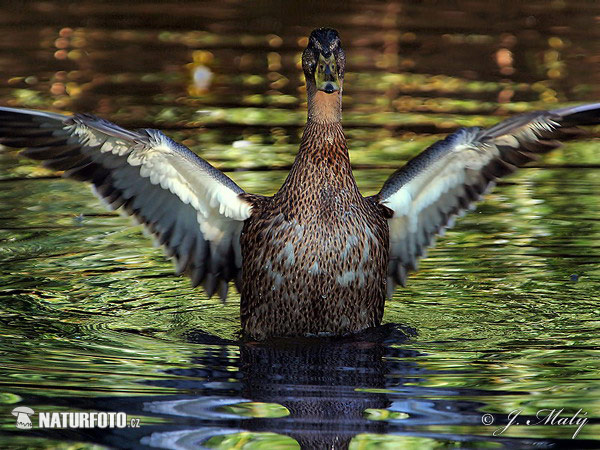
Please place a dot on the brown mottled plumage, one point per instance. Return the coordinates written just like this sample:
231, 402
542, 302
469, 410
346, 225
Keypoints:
317, 257
315, 254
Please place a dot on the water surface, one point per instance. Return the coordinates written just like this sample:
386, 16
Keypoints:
502, 316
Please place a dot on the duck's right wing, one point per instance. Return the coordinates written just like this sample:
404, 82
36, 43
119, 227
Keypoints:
423, 197
193, 209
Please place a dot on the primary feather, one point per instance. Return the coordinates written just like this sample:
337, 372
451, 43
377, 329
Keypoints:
193, 209
446, 179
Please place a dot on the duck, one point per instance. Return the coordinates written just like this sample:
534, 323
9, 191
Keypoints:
317, 257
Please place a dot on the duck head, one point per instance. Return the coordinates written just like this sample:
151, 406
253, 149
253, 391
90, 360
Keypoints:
323, 62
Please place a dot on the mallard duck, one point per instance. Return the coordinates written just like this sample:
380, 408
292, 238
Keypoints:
317, 257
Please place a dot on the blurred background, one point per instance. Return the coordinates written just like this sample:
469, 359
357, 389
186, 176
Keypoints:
503, 314
232, 69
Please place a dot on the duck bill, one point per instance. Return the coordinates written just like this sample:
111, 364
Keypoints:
326, 76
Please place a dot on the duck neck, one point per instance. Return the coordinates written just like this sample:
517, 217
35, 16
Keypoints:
323, 146
322, 107
323, 140
322, 163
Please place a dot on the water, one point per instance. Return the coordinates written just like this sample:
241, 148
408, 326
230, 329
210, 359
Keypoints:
502, 316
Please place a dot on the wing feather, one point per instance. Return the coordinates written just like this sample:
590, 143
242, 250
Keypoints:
450, 176
191, 208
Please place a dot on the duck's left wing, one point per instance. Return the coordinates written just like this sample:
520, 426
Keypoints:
193, 209
425, 195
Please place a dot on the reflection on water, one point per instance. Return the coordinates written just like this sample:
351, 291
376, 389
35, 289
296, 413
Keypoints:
355, 393
503, 315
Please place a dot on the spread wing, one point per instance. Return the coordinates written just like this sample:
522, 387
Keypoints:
427, 193
193, 209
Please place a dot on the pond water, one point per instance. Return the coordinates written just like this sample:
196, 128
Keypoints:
503, 315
